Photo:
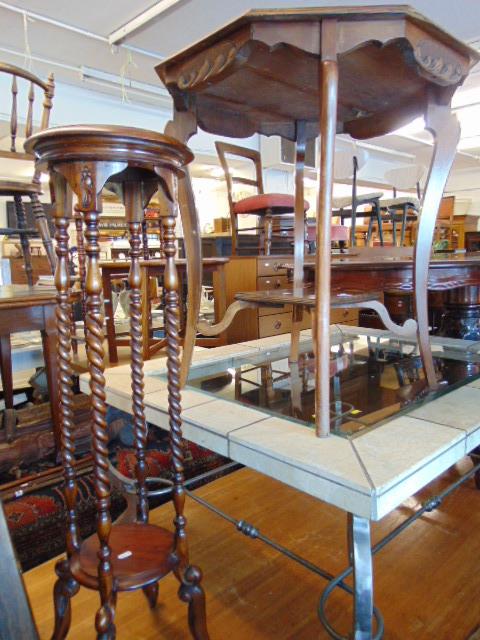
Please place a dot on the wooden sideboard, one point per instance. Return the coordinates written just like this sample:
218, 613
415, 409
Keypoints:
263, 273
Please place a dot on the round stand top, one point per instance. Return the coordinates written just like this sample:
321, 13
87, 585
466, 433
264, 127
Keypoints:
107, 143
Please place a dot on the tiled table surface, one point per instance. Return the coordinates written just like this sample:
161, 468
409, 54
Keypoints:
368, 475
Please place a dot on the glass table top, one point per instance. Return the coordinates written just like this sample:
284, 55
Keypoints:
372, 379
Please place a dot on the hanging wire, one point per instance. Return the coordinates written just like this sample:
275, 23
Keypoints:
124, 79
28, 61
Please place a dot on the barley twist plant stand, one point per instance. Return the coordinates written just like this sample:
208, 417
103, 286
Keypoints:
120, 557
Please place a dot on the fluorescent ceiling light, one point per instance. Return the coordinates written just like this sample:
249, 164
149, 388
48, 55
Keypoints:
142, 19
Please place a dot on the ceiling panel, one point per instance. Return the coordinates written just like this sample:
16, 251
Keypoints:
200, 17
99, 17
186, 22
69, 48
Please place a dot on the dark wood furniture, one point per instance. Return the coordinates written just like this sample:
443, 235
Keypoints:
455, 275
16, 619
32, 190
154, 268
300, 72
472, 240
121, 557
24, 308
264, 205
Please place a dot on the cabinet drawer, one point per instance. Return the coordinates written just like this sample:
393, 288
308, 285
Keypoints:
342, 316
267, 283
271, 266
274, 324
270, 311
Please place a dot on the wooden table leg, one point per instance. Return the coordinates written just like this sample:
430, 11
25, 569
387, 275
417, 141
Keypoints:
220, 299
109, 319
49, 341
6, 370
146, 314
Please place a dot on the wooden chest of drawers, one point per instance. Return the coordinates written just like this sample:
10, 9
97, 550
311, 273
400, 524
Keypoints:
265, 273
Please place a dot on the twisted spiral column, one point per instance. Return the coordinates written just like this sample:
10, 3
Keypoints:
96, 365
82, 271
146, 253
65, 373
172, 325
136, 355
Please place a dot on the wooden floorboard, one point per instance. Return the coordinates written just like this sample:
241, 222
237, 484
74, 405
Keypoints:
427, 583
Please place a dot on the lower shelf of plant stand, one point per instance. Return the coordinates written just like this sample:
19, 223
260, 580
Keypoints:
141, 555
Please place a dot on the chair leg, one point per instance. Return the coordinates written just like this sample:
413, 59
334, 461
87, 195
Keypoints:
22, 224
370, 230
267, 226
64, 590
404, 224
234, 231
297, 317
393, 220
42, 227
6, 370
353, 239
379, 221
192, 593
151, 594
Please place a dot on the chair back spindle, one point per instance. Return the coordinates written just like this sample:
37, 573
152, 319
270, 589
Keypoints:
29, 123
223, 150
48, 89
14, 115
31, 189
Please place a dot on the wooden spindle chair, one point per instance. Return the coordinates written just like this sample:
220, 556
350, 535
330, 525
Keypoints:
264, 205
32, 190
403, 209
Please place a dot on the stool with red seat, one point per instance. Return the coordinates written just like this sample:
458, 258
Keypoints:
263, 205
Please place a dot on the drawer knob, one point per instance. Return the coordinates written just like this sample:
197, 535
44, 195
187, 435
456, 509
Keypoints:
277, 324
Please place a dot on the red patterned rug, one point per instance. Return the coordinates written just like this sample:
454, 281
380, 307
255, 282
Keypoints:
37, 521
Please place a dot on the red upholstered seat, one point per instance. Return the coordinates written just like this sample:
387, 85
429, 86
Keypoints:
278, 202
338, 233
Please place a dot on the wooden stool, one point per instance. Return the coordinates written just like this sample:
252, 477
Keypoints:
122, 557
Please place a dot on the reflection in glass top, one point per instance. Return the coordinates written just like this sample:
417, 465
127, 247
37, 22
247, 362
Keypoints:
372, 378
